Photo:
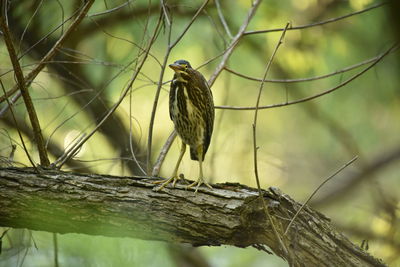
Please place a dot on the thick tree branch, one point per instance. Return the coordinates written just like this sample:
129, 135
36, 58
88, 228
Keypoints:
228, 214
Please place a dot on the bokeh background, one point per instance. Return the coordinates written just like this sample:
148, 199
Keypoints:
299, 145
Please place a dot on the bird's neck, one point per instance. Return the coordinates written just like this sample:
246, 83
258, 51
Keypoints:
178, 77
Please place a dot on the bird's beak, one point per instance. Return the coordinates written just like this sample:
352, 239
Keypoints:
176, 67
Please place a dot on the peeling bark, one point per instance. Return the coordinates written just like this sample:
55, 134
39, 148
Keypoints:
228, 214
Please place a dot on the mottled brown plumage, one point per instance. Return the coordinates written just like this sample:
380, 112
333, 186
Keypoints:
191, 109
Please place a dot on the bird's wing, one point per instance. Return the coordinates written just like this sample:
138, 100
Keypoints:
172, 92
205, 104
210, 121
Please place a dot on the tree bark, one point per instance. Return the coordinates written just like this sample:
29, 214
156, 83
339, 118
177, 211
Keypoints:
228, 214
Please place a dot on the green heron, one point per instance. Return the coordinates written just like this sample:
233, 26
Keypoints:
191, 108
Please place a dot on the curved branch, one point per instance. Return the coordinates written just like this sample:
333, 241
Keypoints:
394, 47
228, 214
317, 23
308, 79
234, 42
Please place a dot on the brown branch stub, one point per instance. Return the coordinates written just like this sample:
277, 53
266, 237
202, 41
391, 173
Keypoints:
229, 214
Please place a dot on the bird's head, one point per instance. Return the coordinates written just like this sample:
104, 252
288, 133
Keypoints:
180, 67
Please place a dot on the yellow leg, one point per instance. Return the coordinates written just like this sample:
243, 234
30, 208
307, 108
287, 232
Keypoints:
200, 180
175, 176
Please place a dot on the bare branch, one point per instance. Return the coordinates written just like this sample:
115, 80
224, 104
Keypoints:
32, 75
352, 180
222, 18
131, 137
255, 148
111, 10
316, 190
17, 127
37, 132
346, 69
318, 23
70, 153
189, 24
165, 12
395, 46
234, 42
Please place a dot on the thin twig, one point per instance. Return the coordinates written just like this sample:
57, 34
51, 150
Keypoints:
189, 24
73, 151
126, 40
70, 152
216, 27
317, 23
37, 132
17, 127
48, 34
131, 137
255, 148
32, 75
164, 9
155, 103
234, 42
353, 180
28, 24
222, 18
62, 16
210, 60
10, 102
108, 11
395, 46
316, 190
67, 154
346, 69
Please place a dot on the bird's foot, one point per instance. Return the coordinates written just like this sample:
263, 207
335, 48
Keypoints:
166, 182
198, 183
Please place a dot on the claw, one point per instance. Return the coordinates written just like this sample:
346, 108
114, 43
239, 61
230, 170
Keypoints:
198, 183
164, 183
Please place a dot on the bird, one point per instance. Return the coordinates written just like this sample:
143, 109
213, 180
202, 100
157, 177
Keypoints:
191, 109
